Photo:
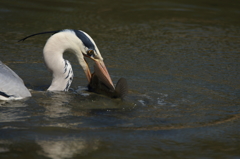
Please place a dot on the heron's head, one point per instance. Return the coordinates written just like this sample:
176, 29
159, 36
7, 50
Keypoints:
90, 50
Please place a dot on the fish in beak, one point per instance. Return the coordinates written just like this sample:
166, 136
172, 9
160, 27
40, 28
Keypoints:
101, 82
101, 71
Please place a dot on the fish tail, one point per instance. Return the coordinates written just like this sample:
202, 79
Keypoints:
121, 88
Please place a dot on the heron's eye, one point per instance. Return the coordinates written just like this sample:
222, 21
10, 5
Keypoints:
90, 53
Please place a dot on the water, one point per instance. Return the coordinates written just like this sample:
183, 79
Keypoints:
181, 60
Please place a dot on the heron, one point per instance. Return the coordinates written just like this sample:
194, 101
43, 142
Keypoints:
77, 42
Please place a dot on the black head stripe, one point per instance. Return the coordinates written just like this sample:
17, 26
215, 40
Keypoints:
46, 32
81, 35
86, 41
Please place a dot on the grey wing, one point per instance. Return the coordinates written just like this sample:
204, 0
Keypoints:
11, 85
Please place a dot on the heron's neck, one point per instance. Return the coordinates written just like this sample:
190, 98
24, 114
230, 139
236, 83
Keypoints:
62, 74
62, 77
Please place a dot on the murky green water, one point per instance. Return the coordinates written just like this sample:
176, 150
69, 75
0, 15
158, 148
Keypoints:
181, 60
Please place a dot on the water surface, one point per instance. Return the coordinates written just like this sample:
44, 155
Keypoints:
181, 60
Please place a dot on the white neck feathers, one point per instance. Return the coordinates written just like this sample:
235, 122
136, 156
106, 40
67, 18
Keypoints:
61, 69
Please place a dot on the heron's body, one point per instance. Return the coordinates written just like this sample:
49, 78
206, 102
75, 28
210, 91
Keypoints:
74, 41
11, 85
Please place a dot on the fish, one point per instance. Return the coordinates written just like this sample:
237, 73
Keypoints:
97, 85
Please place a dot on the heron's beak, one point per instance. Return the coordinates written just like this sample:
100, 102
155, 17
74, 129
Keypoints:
102, 73
87, 72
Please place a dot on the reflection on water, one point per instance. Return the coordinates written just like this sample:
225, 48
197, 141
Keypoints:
55, 104
68, 148
181, 60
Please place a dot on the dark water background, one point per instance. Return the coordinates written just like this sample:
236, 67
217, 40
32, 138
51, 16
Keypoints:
181, 59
